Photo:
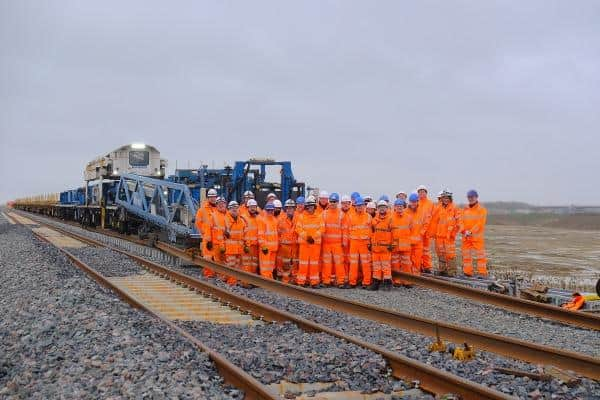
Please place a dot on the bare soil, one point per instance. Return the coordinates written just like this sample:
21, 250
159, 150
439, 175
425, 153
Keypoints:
558, 257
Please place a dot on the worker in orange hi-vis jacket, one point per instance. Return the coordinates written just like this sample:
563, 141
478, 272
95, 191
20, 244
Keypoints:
244, 208
214, 234
346, 207
235, 226
417, 232
287, 253
268, 241
309, 227
401, 228
426, 207
300, 200
323, 203
472, 227
448, 224
359, 251
202, 221
250, 256
432, 229
381, 248
335, 240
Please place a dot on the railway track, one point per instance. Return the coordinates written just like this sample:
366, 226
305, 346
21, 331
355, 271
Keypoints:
431, 379
505, 346
510, 303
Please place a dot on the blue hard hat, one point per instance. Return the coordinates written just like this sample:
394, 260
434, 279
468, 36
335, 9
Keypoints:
334, 197
354, 195
385, 198
400, 202
269, 206
472, 193
413, 197
300, 200
359, 201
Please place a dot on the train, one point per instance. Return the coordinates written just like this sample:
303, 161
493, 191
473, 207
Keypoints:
127, 190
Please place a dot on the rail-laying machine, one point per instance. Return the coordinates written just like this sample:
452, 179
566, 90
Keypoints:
127, 190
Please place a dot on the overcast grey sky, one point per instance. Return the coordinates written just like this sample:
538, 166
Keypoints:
369, 96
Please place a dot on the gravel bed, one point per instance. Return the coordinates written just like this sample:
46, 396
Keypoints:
107, 262
275, 352
415, 345
63, 336
459, 311
441, 306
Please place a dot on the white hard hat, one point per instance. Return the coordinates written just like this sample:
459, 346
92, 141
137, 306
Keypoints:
368, 197
271, 195
248, 193
381, 203
310, 201
290, 203
221, 200
277, 204
346, 199
440, 193
212, 193
232, 204
422, 187
371, 205
402, 192
323, 194
252, 202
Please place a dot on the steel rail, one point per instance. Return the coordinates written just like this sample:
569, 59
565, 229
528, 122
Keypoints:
587, 320
576, 318
431, 379
232, 374
506, 346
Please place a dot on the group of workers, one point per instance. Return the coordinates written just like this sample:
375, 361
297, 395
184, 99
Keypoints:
345, 241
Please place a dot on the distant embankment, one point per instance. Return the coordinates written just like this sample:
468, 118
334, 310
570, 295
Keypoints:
583, 221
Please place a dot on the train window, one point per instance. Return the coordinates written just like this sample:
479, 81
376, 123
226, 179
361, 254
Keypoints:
139, 158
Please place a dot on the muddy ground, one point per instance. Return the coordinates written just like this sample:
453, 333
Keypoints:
554, 256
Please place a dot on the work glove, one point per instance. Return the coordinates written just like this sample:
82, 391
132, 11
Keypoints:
227, 234
246, 249
390, 247
222, 250
209, 245
369, 247
310, 240
265, 250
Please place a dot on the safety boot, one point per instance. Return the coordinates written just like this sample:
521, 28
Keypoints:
374, 285
387, 285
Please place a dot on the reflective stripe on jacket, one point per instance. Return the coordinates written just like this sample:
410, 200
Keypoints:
382, 233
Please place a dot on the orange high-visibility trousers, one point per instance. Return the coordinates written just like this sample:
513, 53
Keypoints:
445, 248
333, 261
382, 265
308, 263
416, 257
207, 255
250, 259
359, 253
286, 256
233, 261
426, 263
474, 247
266, 263
401, 263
